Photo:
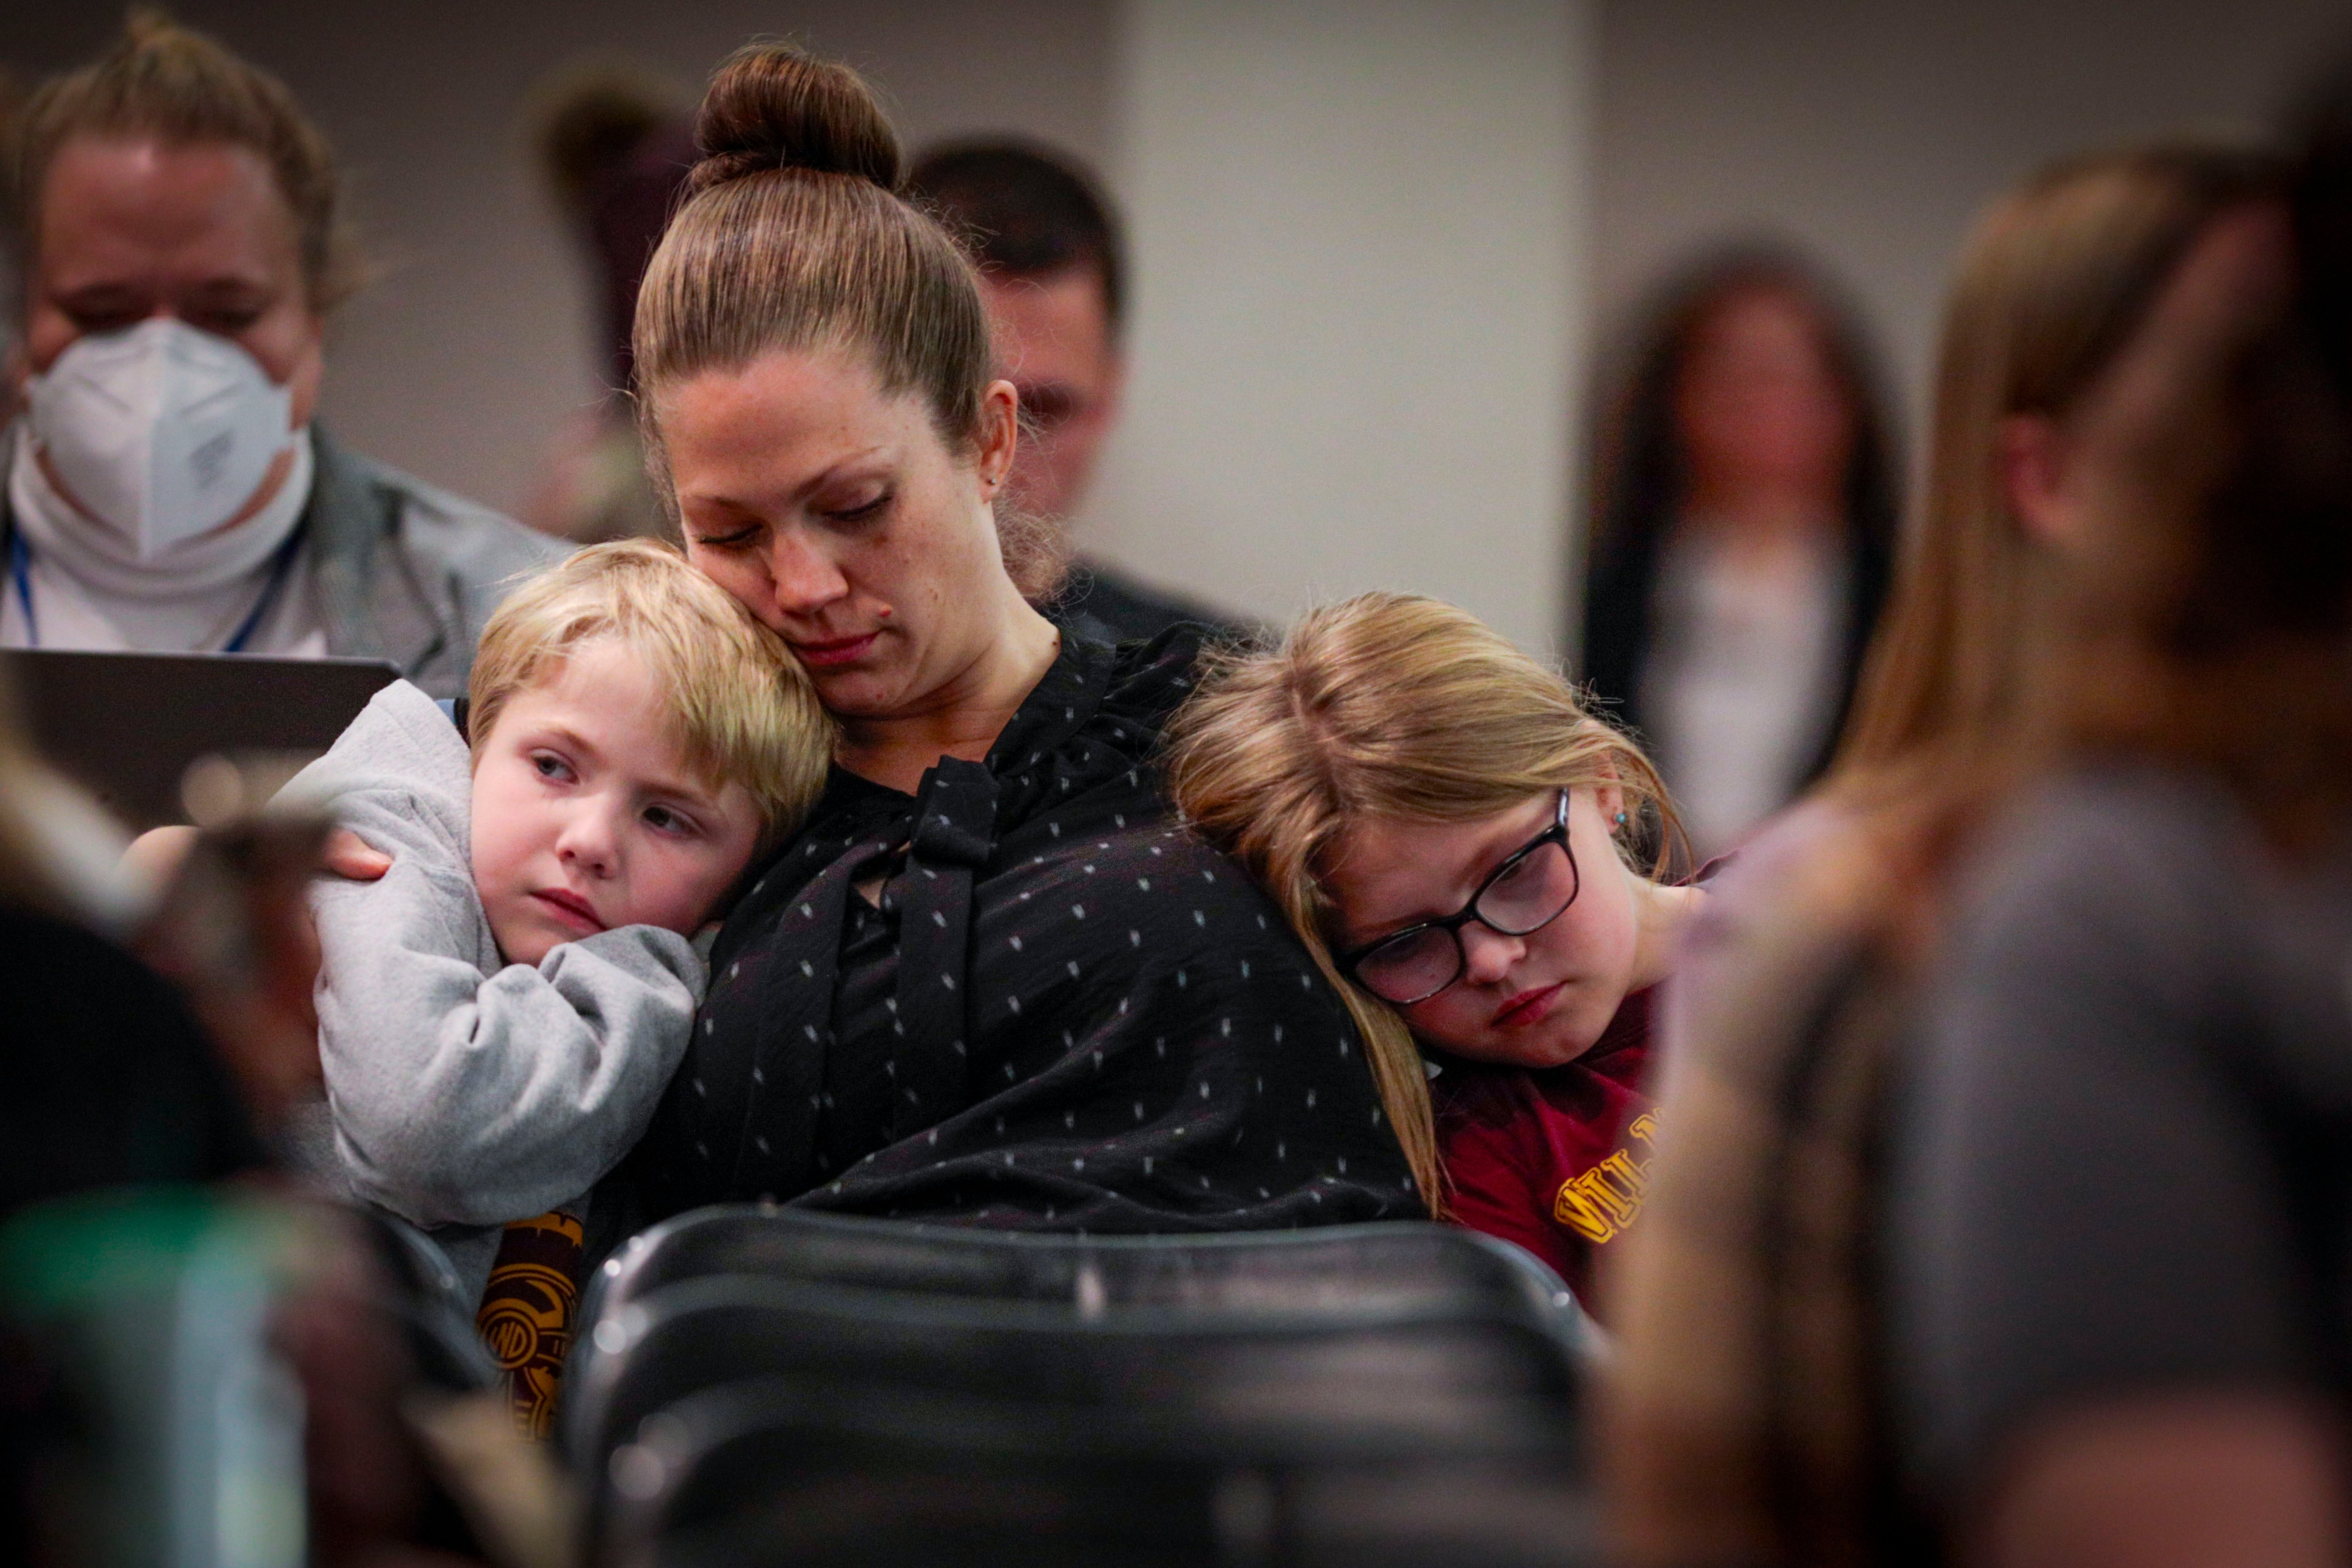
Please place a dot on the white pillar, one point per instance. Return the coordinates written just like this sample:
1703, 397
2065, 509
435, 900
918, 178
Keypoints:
1359, 233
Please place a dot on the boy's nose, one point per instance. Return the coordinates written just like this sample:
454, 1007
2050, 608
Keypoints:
590, 840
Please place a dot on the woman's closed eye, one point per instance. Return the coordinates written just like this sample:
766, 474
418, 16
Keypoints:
862, 511
727, 538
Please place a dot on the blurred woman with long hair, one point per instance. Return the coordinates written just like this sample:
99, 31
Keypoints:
1749, 1421
1743, 532
2121, 1175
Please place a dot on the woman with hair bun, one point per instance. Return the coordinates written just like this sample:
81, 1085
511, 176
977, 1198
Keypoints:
993, 980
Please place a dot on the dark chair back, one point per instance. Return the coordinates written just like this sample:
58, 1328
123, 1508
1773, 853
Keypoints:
733, 1400
1106, 1400
777, 1472
1355, 1269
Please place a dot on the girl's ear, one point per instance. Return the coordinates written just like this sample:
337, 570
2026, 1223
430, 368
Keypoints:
1609, 797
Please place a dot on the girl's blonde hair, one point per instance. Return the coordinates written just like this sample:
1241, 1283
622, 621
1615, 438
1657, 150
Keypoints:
1387, 705
742, 708
2053, 281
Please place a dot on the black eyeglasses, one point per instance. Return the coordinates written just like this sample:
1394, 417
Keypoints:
1525, 894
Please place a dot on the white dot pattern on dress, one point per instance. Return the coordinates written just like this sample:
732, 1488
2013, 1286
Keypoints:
1079, 956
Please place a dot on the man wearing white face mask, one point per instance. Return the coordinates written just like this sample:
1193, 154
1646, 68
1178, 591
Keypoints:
165, 487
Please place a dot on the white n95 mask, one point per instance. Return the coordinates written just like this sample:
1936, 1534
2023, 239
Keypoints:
163, 431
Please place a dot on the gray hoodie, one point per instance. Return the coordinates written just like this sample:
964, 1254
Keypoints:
466, 1091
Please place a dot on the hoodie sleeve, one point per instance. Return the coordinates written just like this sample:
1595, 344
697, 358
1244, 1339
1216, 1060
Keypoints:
464, 1089
461, 1099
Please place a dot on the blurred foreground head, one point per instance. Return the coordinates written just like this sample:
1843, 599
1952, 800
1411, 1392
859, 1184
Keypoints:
2059, 290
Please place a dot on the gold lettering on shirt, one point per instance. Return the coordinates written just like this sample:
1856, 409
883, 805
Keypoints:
1601, 1201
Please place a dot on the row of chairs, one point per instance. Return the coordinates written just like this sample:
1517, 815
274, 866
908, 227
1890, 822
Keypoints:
762, 1386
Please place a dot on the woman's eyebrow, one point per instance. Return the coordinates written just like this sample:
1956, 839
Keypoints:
881, 458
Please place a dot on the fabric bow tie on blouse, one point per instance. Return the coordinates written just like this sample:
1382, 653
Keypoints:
1058, 1010
955, 828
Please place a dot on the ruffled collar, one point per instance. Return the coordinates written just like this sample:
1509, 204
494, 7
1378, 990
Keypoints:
1097, 714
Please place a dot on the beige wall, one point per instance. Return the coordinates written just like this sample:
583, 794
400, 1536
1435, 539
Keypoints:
1870, 130
475, 342
1358, 229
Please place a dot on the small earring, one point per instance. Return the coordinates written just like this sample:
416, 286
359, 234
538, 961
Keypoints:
1620, 819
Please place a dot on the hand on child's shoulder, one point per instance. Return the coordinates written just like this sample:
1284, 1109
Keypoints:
349, 856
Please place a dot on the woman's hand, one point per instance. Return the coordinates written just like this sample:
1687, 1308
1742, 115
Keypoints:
348, 855
159, 853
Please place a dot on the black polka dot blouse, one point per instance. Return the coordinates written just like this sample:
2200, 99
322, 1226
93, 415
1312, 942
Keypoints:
1026, 996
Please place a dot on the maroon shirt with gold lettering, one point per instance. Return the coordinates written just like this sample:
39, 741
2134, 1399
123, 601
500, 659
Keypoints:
1552, 1158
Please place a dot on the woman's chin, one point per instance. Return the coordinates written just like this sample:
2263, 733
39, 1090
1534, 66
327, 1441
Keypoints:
857, 691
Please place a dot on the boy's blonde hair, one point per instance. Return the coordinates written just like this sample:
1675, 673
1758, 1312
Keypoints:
744, 710
1397, 706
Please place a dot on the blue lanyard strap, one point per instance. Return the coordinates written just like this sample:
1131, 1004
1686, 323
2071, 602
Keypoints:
281, 566
20, 571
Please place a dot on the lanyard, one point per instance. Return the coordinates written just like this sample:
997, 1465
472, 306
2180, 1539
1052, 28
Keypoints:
281, 566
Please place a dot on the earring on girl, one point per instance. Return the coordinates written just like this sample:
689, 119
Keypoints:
1620, 819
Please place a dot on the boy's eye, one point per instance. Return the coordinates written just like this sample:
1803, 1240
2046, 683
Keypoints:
662, 819
547, 765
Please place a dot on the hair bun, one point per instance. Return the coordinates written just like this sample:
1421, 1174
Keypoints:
772, 106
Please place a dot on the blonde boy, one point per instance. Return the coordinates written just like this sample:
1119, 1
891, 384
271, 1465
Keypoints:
499, 1012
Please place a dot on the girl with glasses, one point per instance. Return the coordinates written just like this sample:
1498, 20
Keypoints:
1482, 865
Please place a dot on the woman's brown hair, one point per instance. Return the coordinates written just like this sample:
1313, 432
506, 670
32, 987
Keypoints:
794, 236
2054, 279
163, 81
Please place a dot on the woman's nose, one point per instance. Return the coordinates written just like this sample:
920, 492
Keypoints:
1488, 955
805, 578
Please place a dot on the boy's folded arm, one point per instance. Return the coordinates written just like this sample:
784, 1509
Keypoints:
458, 1098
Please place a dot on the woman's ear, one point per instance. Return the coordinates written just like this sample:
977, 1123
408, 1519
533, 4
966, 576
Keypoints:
1000, 434
2032, 456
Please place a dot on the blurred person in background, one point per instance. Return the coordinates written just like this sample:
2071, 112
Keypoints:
1053, 274
1749, 1418
2121, 1175
110, 1078
1742, 537
616, 148
177, 229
